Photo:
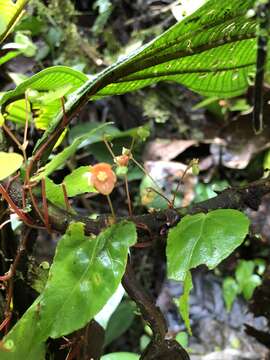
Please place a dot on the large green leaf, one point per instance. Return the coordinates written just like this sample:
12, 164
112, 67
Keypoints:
213, 52
10, 13
204, 239
85, 273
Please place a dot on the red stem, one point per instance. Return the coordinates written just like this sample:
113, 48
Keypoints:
45, 205
68, 207
14, 207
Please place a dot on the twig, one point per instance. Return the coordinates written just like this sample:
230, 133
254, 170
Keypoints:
111, 207
240, 198
11, 135
158, 190
179, 183
68, 207
151, 314
11, 274
248, 196
159, 347
14, 207
45, 205
128, 197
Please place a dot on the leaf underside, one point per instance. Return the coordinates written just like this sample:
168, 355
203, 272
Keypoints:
212, 52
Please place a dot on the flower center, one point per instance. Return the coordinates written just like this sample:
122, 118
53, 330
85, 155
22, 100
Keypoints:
102, 176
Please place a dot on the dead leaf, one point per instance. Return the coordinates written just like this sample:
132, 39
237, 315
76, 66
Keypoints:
166, 149
240, 143
168, 173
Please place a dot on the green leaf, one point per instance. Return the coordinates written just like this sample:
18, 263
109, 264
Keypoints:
261, 265
49, 84
106, 312
207, 191
10, 13
204, 239
213, 52
247, 281
120, 356
50, 96
120, 321
144, 342
17, 78
8, 56
251, 285
186, 7
49, 79
60, 159
230, 290
22, 43
9, 163
182, 339
54, 193
76, 183
32, 24
112, 132
184, 301
84, 275
22, 341
266, 162
244, 271
105, 10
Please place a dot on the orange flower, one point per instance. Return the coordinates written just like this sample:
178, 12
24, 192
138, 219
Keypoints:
103, 178
122, 160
